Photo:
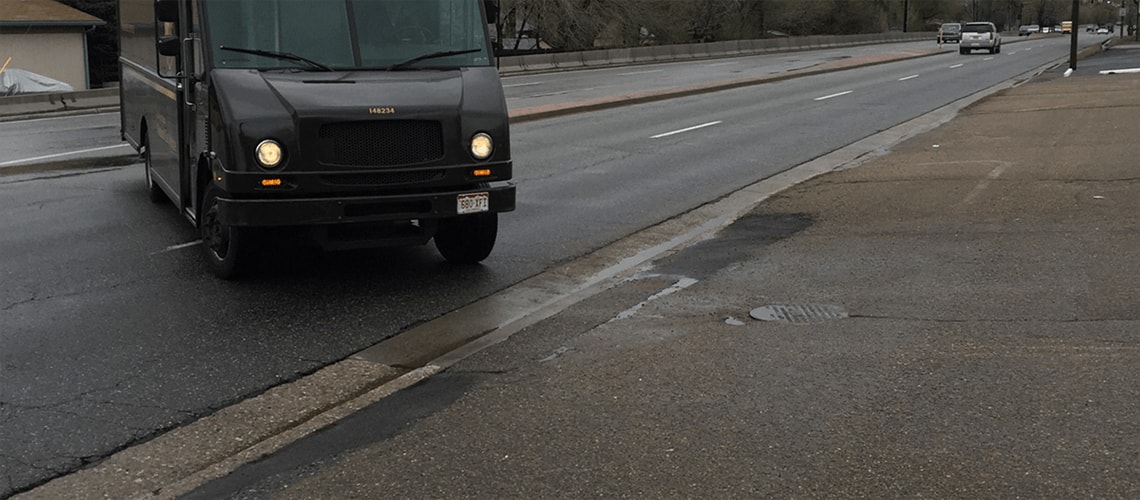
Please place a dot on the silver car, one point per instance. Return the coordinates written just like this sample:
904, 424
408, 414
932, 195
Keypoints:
980, 36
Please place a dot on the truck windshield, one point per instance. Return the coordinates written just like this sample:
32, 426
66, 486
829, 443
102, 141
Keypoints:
347, 34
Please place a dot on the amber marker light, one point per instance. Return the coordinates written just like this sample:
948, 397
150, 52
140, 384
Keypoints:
482, 172
270, 182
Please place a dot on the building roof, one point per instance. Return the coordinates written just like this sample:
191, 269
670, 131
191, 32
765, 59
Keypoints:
43, 13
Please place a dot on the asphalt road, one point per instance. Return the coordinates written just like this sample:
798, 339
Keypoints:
113, 332
60, 140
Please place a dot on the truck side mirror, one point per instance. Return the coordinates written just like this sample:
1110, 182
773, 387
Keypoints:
169, 46
166, 11
492, 8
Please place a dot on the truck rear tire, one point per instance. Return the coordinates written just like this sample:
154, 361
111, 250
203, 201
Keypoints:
227, 248
467, 239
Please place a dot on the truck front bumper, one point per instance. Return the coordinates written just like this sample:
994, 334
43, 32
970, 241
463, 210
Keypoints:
352, 209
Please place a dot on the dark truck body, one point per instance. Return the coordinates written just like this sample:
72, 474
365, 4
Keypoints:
355, 122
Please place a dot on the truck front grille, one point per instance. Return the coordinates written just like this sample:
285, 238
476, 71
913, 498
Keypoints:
380, 143
383, 179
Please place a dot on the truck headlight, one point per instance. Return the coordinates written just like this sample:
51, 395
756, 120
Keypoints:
269, 153
481, 146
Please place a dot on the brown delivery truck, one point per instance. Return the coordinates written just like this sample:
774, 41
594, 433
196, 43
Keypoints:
348, 122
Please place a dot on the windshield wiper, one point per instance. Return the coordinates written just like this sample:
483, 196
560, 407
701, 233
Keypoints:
433, 55
280, 55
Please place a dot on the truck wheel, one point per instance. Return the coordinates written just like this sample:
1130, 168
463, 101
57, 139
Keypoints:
467, 239
153, 192
227, 247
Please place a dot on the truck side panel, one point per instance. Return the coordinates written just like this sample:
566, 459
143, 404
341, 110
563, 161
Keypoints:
148, 106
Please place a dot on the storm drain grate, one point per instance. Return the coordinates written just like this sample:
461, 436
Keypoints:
798, 313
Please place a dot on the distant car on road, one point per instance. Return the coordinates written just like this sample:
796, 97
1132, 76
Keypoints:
950, 33
981, 35
1103, 31
1028, 29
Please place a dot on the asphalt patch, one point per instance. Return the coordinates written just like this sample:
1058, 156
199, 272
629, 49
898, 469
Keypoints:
381, 421
736, 243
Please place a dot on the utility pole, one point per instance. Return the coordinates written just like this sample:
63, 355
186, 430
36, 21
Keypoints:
906, 12
1076, 20
1123, 13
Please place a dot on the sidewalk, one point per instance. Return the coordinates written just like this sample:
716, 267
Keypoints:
959, 319
982, 340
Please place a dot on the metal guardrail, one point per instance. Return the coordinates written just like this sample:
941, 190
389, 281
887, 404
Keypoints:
659, 53
15, 107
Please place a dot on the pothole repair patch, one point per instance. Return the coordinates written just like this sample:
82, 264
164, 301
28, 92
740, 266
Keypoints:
798, 313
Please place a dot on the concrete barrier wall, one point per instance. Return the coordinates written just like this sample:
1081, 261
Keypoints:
58, 97
657, 53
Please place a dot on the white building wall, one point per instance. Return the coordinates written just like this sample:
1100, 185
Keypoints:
57, 55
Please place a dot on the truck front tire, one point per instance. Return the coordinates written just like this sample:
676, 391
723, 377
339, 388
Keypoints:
227, 248
153, 192
467, 239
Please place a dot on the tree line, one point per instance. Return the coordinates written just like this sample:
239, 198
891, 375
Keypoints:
587, 24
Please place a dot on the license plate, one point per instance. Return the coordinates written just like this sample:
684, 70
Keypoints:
473, 203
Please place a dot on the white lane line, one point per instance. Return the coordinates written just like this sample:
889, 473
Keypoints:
681, 284
959, 65
721, 64
905, 78
690, 129
59, 155
550, 94
180, 246
985, 183
513, 85
641, 72
826, 97
990, 58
